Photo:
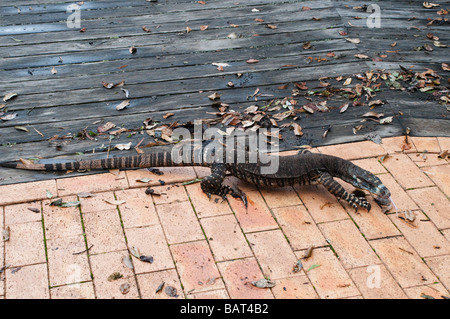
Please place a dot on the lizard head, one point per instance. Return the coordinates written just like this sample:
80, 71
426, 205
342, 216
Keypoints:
361, 178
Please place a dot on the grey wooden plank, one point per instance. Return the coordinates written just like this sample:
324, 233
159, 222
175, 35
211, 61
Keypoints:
139, 38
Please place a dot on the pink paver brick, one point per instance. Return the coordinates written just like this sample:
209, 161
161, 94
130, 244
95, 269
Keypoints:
433, 203
375, 282
351, 151
429, 144
170, 175
67, 263
205, 207
329, 279
225, 237
91, 183
406, 172
273, 253
25, 245
97, 203
26, 192
398, 144
202, 172
423, 160
28, 282
179, 222
351, 247
150, 241
370, 164
20, 213
299, 227
196, 266
403, 262
84, 290
138, 209
105, 265
104, 231
280, 197
169, 194
297, 287
436, 291
321, 204
149, 283
441, 176
256, 217
398, 195
444, 143
214, 294
238, 275
439, 265
61, 221
423, 235
373, 224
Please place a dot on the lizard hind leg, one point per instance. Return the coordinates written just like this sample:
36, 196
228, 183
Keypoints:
337, 190
213, 184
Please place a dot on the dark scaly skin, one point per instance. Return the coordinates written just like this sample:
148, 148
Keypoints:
300, 169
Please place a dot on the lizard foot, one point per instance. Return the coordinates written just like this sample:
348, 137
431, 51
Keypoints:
223, 190
359, 201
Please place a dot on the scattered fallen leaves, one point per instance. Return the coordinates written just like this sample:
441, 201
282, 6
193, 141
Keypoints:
430, 5
263, 283
123, 105
375, 102
21, 128
123, 146
344, 108
203, 27
171, 291
8, 117
306, 45
132, 50
9, 96
105, 127
250, 61
361, 56
214, 96
312, 267
301, 85
443, 154
353, 40
297, 129
386, 120
372, 114
115, 202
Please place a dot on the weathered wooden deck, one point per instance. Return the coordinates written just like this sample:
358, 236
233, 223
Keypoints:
172, 69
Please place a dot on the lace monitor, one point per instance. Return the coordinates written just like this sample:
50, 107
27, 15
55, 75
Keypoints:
302, 168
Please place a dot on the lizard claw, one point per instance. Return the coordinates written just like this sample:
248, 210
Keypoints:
237, 193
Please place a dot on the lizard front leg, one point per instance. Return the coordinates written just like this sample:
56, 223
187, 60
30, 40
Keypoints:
337, 190
213, 184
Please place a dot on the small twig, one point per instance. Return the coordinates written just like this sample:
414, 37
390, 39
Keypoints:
80, 252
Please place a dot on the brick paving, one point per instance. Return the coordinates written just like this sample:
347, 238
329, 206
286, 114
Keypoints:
213, 249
